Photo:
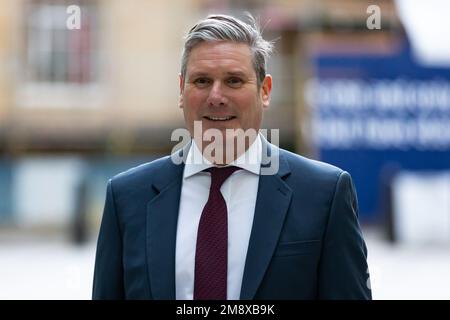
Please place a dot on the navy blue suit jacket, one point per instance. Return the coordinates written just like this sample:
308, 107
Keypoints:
305, 243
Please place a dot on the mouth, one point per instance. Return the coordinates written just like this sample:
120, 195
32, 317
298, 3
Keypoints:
215, 118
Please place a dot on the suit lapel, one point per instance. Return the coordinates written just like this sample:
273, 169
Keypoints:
274, 197
162, 217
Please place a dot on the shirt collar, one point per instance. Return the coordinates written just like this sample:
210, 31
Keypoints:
250, 160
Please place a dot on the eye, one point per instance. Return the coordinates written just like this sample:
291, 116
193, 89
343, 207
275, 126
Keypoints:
235, 82
202, 82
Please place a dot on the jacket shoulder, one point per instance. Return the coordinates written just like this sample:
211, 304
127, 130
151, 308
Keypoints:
304, 166
141, 174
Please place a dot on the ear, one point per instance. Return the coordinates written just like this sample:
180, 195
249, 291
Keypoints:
180, 99
266, 89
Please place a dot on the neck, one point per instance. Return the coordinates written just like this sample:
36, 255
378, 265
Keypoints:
224, 151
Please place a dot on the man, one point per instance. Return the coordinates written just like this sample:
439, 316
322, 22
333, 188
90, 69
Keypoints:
223, 228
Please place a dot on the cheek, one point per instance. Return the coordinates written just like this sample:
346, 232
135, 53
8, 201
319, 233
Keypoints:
248, 105
195, 100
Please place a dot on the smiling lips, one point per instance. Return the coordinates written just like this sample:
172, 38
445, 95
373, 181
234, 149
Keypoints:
213, 118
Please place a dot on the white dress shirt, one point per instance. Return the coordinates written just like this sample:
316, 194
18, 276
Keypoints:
239, 191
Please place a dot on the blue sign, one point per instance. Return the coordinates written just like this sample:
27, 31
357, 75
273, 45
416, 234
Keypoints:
374, 114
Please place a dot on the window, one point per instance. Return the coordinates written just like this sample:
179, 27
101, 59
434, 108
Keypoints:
55, 53
57, 61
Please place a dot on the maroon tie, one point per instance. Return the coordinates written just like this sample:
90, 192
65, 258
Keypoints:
211, 256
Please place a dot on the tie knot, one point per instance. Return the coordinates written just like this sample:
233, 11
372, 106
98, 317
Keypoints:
219, 175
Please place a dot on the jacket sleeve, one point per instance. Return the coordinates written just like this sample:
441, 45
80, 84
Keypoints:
343, 269
108, 272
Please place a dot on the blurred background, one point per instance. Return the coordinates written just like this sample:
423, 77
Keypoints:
364, 85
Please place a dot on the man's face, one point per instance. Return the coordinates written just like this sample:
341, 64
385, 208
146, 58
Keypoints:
221, 88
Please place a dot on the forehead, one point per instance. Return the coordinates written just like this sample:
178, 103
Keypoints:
219, 55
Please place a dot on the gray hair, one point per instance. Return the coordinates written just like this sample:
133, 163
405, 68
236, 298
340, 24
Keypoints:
227, 28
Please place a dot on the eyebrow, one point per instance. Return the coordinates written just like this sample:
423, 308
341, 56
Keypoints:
236, 74
229, 73
198, 74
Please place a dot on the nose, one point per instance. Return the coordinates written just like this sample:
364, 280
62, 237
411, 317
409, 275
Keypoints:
216, 97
